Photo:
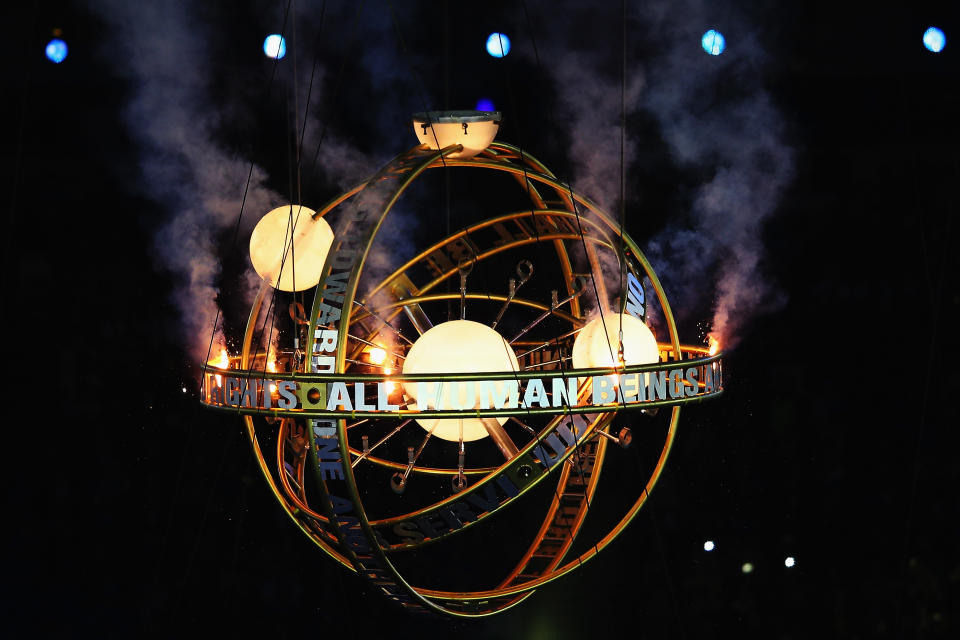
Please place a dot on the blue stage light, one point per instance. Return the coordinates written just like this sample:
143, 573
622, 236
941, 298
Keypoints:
934, 40
713, 42
485, 104
56, 50
275, 46
498, 45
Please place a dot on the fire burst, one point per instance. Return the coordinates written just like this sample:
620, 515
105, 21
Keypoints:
714, 345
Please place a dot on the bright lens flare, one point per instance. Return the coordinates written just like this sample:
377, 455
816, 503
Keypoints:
377, 355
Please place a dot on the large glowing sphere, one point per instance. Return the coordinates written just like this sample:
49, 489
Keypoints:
934, 39
56, 50
275, 46
498, 45
595, 347
457, 346
713, 42
485, 104
271, 253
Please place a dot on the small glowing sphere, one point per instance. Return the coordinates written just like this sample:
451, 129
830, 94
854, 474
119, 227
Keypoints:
747, 567
713, 42
275, 46
595, 347
457, 346
789, 561
498, 45
56, 50
271, 253
934, 39
708, 545
485, 104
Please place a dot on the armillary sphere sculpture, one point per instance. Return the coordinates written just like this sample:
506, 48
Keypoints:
386, 436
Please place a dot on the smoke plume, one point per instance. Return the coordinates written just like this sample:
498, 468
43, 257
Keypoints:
716, 120
197, 181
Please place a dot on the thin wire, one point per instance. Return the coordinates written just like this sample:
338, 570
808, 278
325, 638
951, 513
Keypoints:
213, 330
623, 170
528, 188
336, 87
593, 281
246, 186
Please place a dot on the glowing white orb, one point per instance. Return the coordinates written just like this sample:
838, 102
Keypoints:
275, 260
789, 561
595, 347
498, 44
56, 50
275, 46
713, 42
709, 546
934, 39
747, 567
457, 346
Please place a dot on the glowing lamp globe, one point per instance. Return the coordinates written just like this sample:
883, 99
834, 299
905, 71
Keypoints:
457, 346
595, 347
475, 130
498, 45
713, 42
275, 46
934, 40
290, 268
56, 51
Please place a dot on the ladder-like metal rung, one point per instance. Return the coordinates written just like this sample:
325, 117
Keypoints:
571, 498
548, 549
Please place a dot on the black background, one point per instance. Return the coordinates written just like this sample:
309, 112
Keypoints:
128, 509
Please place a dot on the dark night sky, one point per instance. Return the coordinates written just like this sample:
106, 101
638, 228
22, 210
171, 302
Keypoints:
131, 510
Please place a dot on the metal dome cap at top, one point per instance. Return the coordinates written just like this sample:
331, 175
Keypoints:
474, 130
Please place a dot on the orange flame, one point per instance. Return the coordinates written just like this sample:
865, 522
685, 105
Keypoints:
272, 368
378, 355
714, 345
222, 362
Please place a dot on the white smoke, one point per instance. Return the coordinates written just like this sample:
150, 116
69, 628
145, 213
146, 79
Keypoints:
199, 183
716, 119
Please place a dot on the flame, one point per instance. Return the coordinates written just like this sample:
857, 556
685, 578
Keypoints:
222, 362
714, 345
378, 355
272, 368
390, 385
